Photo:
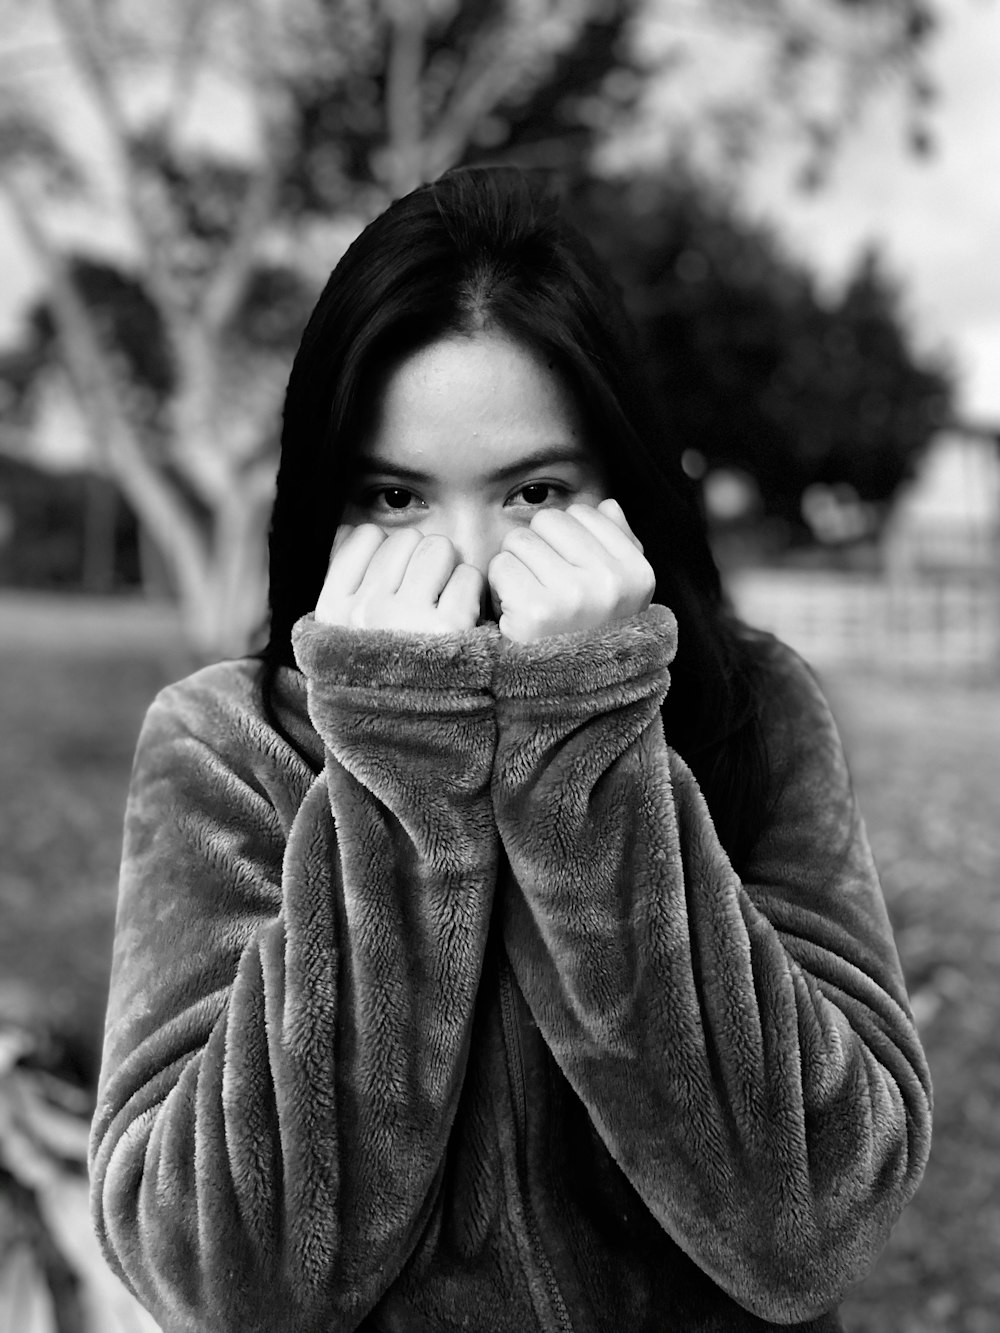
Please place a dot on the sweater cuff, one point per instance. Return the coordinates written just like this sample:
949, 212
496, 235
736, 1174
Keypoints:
588, 660
376, 659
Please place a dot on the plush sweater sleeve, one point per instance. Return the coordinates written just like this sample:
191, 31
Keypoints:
743, 1045
296, 963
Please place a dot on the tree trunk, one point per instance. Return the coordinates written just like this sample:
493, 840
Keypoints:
100, 512
224, 610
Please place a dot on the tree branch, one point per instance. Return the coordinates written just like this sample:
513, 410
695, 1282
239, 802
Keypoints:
403, 102
87, 45
498, 61
201, 359
183, 75
228, 283
111, 437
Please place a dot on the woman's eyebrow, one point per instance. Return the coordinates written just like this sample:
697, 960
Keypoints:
385, 467
542, 458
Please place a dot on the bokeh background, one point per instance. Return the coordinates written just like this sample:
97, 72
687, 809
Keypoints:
800, 201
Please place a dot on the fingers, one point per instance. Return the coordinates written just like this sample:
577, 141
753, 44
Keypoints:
341, 536
561, 530
580, 535
511, 581
461, 597
518, 598
543, 554
612, 510
401, 580
378, 563
351, 556
571, 569
430, 565
353, 549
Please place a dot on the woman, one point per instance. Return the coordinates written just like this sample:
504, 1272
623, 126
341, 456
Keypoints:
505, 950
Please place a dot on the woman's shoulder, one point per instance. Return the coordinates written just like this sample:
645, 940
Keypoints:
796, 722
228, 707
219, 690
786, 681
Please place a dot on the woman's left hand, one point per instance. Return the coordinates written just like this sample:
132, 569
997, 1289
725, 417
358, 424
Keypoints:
570, 569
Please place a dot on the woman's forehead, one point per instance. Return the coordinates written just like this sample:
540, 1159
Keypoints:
483, 401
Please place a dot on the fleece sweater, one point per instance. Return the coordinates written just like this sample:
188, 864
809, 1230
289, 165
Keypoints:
454, 1014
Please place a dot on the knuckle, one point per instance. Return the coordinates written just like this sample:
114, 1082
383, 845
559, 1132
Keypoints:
371, 533
406, 537
500, 564
604, 585
546, 520
434, 543
524, 532
645, 578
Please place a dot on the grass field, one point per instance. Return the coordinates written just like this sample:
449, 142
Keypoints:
926, 760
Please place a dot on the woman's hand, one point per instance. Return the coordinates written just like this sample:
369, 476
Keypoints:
398, 581
571, 569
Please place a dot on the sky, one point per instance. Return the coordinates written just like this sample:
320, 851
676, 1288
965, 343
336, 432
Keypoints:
936, 221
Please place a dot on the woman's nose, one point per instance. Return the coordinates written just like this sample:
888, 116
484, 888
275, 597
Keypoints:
474, 535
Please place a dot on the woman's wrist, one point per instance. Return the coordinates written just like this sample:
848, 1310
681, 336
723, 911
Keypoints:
588, 660
389, 659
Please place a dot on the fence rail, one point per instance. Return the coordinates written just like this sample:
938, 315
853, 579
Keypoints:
941, 623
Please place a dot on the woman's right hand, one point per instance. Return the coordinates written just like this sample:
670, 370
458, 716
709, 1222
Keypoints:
402, 580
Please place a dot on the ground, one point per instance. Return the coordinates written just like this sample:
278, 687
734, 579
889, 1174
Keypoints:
75, 681
926, 761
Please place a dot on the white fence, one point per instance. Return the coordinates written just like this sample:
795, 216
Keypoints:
946, 624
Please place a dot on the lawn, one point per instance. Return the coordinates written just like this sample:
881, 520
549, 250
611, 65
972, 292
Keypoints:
925, 759
73, 690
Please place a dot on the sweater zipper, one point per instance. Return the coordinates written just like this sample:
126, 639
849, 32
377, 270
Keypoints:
515, 1071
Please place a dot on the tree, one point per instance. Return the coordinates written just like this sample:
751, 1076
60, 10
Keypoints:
215, 239
756, 368
346, 103
853, 396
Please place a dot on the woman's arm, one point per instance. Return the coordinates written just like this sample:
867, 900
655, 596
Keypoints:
296, 963
745, 1049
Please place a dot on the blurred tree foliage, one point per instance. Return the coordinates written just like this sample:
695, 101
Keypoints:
756, 367
176, 351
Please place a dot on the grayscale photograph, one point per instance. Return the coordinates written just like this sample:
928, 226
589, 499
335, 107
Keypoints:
499, 666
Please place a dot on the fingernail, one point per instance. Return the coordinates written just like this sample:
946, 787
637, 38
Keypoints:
339, 537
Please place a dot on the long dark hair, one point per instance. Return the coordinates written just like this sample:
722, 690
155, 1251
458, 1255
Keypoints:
489, 248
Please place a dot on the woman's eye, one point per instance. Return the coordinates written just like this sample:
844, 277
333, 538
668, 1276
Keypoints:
538, 492
394, 499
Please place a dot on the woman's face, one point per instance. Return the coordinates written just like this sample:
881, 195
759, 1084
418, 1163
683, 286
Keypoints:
473, 436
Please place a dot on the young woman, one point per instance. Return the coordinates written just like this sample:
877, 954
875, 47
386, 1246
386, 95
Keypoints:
503, 951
